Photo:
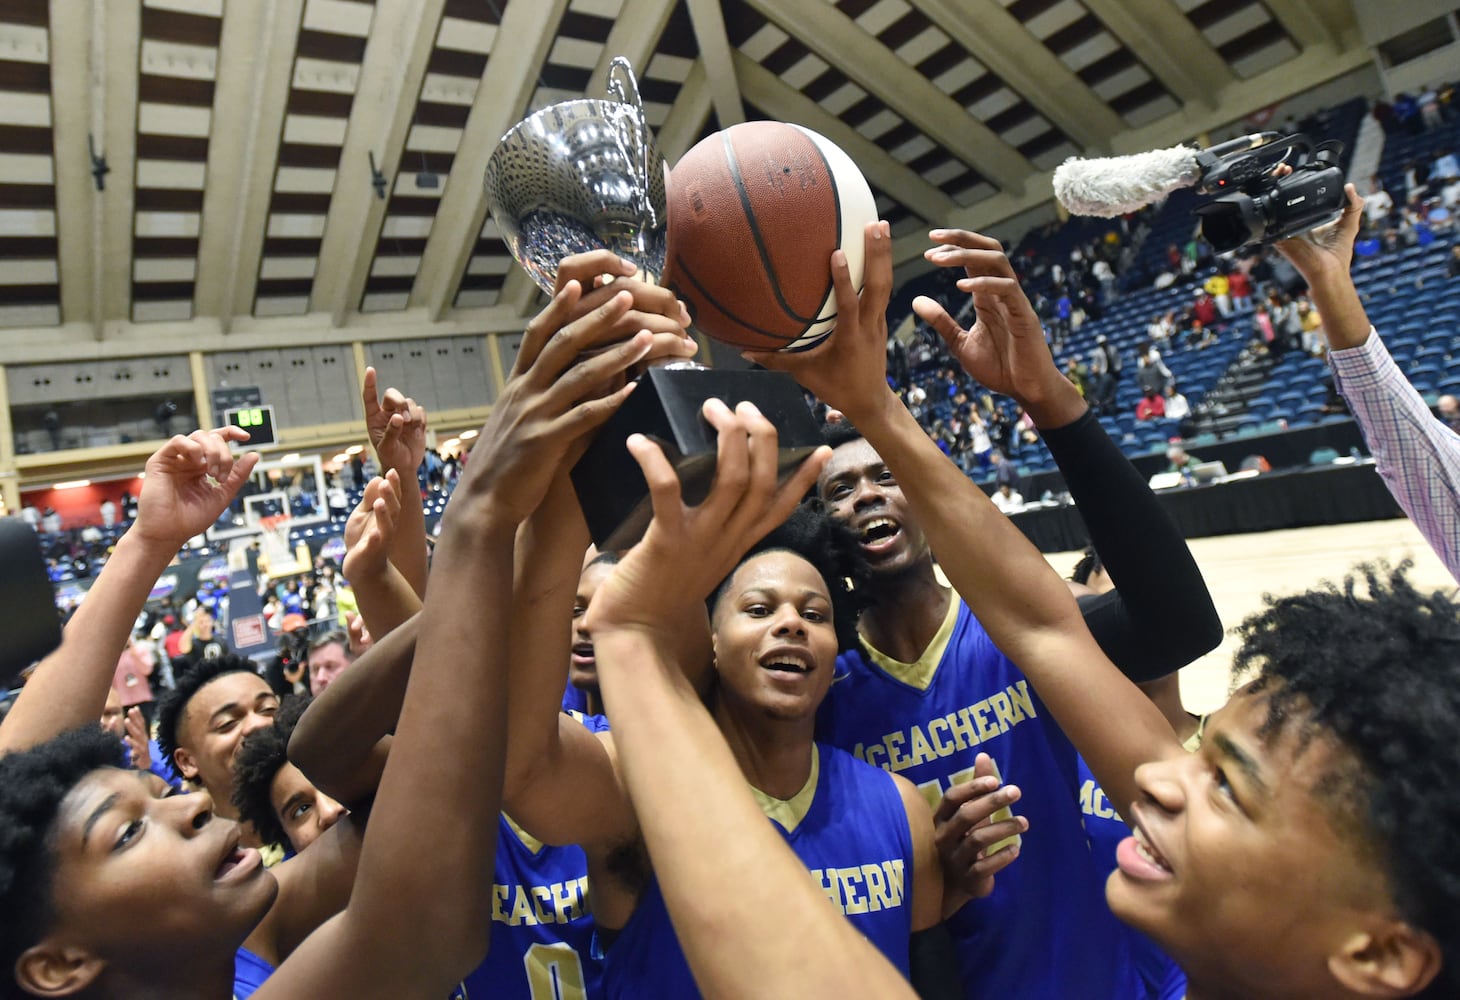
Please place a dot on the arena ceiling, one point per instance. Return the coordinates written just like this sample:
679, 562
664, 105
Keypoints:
192, 173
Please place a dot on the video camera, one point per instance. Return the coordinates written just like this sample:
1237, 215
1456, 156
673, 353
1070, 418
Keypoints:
1254, 207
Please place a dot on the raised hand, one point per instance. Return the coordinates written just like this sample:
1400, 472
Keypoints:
655, 308
655, 582
371, 527
848, 370
1005, 348
397, 427
1327, 250
965, 829
135, 736
558, 393
190, 482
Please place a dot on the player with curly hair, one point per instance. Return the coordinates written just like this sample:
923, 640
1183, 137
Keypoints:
271, 794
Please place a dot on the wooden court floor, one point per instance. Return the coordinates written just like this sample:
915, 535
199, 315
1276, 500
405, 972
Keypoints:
1239, 569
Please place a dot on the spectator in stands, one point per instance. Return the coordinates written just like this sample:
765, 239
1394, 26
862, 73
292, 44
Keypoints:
199, 641
1005, 472
1200, 336
1453, 264
1112, 356
1099, 383
1007, 500
1150, 369
1219, 288
1312, 322
1377, 203
108, 512
1076, 373
1179, 461
1446, 168
1176, 405
1415, 177
1439, 217
1449, 412
1204, 309
1151, 406
1240, 288
1417, 455
1429, 108
329, 655
134, 667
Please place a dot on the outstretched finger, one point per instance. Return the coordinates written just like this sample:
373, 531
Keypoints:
974, 261
588, 415
542, 327
589, 376
664, 493
567, 343
732, 462
876, 270
369, 394
961, 238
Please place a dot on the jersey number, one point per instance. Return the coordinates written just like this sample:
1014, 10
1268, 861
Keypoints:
554, 972
933, 790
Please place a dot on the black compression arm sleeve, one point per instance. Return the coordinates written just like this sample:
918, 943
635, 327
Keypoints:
933, 964
1160, 617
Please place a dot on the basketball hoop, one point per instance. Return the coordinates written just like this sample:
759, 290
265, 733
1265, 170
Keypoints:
274, 542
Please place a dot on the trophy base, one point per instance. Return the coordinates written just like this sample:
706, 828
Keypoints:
666, 407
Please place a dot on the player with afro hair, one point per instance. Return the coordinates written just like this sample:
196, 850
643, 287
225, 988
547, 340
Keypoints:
274, 796
32, 787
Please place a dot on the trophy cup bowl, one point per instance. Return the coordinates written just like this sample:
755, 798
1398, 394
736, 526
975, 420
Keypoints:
581, 175
585, 175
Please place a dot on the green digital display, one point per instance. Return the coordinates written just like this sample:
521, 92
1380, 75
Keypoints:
257, 420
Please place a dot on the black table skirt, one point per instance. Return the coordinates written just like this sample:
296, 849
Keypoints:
1339, 494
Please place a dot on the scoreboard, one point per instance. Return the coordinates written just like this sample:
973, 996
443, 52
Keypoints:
257, 420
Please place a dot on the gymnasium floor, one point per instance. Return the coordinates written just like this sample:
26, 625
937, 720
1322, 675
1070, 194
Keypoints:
1239, 569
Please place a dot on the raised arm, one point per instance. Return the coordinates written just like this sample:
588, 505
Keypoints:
770, 931
190, 481
1416, 454
385, 595
1161, 616
397, 427
1025, 607
562, 783
419, 915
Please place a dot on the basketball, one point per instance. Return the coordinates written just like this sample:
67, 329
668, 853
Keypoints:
755, 212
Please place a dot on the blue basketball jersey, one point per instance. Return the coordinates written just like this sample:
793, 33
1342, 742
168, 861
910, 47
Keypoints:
1045, 932
249, 973
1162, 977
854, 840
542, 930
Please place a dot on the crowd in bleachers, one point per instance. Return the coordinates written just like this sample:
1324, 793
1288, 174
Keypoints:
1169, 341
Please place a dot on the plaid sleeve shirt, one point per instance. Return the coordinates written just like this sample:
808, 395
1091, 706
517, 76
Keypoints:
1415, 453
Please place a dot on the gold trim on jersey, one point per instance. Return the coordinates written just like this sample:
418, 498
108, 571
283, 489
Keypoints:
919, 673
790, 812
528, 840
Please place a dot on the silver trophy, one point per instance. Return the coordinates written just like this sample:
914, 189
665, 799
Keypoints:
581, 175
585, 175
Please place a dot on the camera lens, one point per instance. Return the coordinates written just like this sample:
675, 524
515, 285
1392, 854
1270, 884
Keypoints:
1233, 221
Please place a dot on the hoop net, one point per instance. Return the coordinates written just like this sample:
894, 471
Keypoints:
274, 541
